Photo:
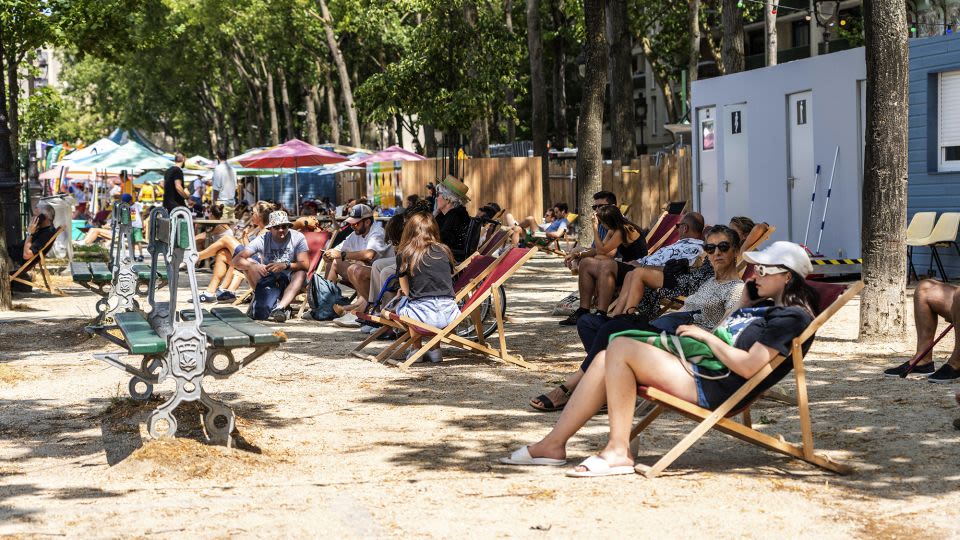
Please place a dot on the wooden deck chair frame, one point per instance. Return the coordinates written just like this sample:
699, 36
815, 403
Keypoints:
553, 246
39, 260
388, 323
662, 238
449, 336
494, 242
719, 418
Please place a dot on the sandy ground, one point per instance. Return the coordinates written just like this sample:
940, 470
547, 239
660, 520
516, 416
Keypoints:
334, 445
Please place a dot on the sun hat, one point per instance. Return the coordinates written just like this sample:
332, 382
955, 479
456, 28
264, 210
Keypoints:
358, 213
782, 253
278, 218
455, 185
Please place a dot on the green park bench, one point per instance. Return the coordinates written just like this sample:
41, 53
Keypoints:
184, 345
121, 280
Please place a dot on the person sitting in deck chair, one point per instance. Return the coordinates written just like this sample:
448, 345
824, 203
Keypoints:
706, 307
746, 341
352, 259
573, 258
621, 241
39, 233
934, 299
553, 229
650, 271
281, 272
452, 216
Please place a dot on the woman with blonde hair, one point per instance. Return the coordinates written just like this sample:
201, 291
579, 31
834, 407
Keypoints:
223, 246
425, 270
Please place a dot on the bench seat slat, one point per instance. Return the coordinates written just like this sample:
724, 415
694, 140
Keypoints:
260, 334
219, 333
143, 271
81, 272
101, 272
139, 335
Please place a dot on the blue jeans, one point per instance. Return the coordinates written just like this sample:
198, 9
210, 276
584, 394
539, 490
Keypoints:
595, 331
267, 293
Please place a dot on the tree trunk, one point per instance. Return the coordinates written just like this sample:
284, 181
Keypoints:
538, 93
346, 90
590, 126
430, 141
13, 109
712, 46
398, 121
623, 133
6, 265
509, 96
693, 65
770, 21
312, 98
732, 47
662, 78
272, 107
392, 131
882, 304
285, 101
480, 137
560, 128
332, 113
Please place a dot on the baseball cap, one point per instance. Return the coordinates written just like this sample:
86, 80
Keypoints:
358, 213
782, 253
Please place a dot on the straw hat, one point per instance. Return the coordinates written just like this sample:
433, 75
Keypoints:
455, 185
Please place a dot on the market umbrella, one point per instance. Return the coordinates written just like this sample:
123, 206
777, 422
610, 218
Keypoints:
130, 156
102, 146
393, 153
292, 154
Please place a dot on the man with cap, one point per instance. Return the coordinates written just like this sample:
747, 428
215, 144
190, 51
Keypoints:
351, 259
281, 270
174, 192
136, 221
452, 217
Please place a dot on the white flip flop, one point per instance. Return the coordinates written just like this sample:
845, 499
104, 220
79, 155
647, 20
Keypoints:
597, 466
522, 457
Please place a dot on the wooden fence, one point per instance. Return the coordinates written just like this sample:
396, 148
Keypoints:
644, 184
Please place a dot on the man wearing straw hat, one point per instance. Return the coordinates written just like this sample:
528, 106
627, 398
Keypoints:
281, 270
452, 215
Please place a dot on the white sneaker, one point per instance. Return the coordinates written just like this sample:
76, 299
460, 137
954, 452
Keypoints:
434, 355
349, 320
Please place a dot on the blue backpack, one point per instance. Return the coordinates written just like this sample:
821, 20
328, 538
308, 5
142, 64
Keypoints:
321, 297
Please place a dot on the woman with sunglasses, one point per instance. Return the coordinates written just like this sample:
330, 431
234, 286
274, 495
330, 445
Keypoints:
760, 331
704, 308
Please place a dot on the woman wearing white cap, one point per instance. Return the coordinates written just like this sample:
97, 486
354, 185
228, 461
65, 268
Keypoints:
743, 343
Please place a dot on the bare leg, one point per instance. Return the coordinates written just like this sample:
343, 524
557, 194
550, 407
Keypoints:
931, 300
235, 281
606, 283
221, 265
954, 360
297, 279
227, 243
646, 277
630, 362
587, 281
619, 306
584, 403
359, 276
95, 234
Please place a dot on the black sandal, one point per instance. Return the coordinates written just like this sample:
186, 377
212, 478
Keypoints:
548, 405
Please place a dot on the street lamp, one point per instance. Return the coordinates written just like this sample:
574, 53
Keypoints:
827, 17
9, 186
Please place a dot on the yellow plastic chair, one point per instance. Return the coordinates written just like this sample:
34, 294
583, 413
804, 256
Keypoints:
944, 234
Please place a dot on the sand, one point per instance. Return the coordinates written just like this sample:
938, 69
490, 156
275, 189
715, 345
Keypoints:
334, 445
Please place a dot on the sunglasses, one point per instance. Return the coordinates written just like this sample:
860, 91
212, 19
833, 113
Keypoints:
598, 206
764, 270
722, 246
284, 226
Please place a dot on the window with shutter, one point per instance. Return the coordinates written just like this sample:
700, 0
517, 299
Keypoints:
948, 139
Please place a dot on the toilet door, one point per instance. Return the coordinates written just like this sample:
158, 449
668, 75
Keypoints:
801, 166
734, 184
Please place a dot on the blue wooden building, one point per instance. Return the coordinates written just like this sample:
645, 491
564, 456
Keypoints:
934, 162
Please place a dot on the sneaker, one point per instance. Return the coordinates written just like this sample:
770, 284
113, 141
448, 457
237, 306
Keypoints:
946, 374
925, 369
138, 258
225, 296
572, 319
348, 320
280, 315
434, 355
204, 298
368, 329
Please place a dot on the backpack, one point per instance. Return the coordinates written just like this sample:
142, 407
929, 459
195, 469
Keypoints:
321, 297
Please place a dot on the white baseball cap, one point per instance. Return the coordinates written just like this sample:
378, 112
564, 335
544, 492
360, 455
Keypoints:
782, 253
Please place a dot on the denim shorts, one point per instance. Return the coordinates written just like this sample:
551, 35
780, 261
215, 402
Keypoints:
701, 396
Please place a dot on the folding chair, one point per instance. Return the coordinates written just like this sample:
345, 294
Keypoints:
506, 266
493, 242
38, 260
553, 245
833, 297
761, 233
316, 245
664, 232
921, 225
469, 274
944, 234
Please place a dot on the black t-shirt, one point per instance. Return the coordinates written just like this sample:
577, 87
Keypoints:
41, 237
775, 328
172, 197
453, 231
433, 277
634, 250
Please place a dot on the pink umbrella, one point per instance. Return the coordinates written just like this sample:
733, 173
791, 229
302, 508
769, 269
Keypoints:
393, 153
292, 154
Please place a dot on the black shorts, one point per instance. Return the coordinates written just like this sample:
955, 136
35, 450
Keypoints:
622, 270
